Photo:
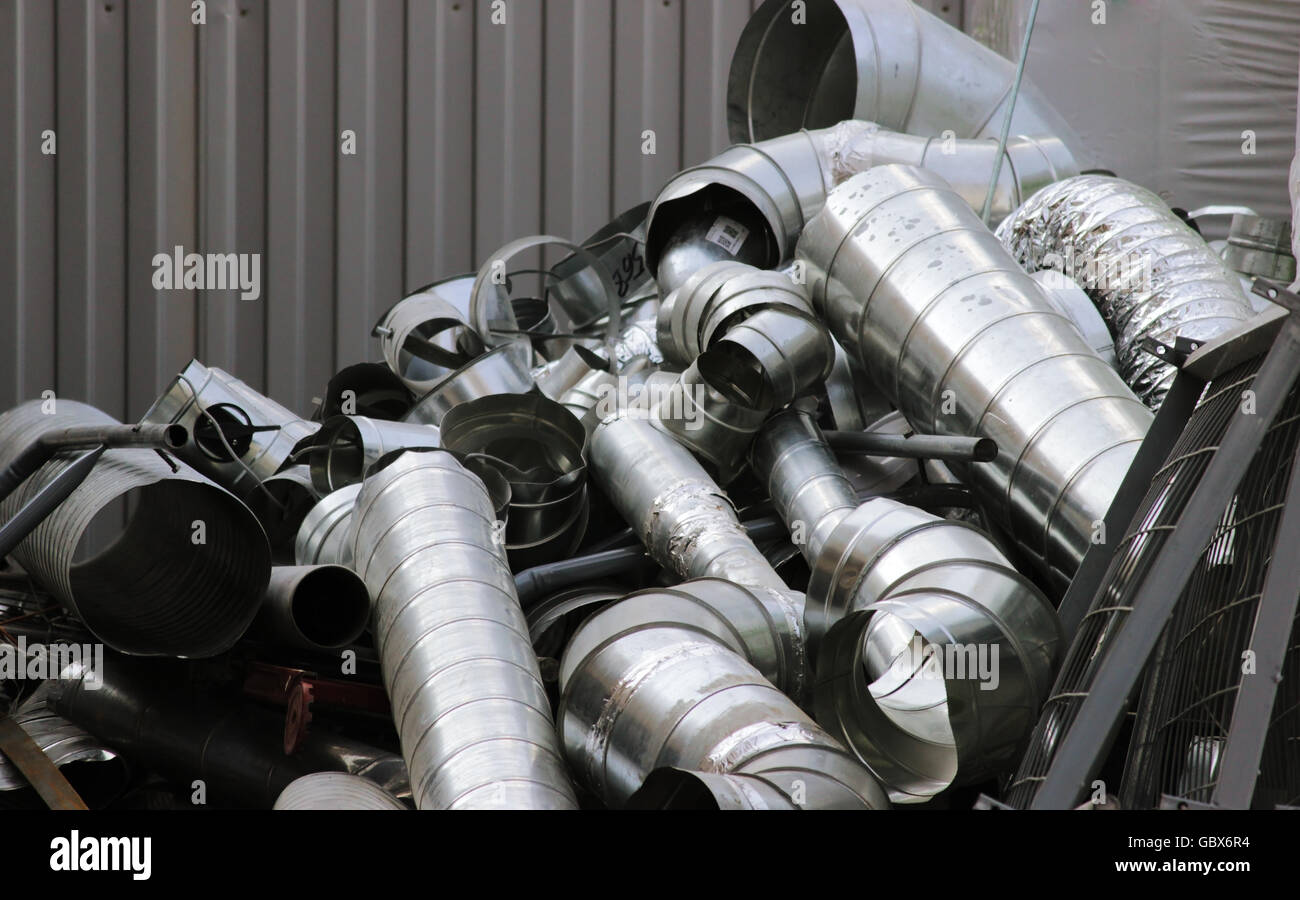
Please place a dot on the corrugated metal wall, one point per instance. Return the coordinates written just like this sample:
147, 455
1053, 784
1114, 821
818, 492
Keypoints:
225, 137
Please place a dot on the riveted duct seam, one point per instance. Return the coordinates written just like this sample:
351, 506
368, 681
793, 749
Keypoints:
467, 696
786, 179
1149, 274
964, 342
185, 577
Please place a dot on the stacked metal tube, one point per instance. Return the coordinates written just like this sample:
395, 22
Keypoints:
964, 342
884, 573
467, 697
1150, 274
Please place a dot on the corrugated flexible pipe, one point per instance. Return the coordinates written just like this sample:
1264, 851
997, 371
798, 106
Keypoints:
939, 682
781, 183
1147, 271
462, 677
672, 678
964, 342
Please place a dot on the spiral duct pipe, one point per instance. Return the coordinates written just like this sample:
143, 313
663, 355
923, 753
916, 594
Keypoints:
1148, 272
335, 790
815, 63
669, 679
98, 774
689, 526
783, 182
184, 578
893, 588
964, 342
467, 697
232, 403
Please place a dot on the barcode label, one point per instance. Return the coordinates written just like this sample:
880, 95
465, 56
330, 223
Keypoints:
727, 234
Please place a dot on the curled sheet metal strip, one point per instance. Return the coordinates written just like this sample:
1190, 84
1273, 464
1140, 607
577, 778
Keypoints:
505, 369
889, 61
233, 403
641, 690
1148, 272
335, 790
426, 336
186, 575
467, 696
934, 591
964, 342
580, 290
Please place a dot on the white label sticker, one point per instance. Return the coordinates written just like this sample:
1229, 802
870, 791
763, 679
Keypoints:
727, 234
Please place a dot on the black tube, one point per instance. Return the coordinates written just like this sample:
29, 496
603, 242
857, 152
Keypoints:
43, 449
916, 446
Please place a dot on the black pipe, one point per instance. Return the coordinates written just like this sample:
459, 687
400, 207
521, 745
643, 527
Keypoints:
917, 446
44, 448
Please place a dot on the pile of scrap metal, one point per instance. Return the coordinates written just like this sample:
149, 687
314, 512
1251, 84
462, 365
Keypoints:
765, 499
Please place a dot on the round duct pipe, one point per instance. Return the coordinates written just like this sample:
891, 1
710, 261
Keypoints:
335, 791
964, 342
321, 607
183, 578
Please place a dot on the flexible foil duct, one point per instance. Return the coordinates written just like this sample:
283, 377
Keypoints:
667, 679
467, 697
964, 342
689, 526
184, 578
1148, 272
335, 790
785, 180
232, 403
812, 63
933, 653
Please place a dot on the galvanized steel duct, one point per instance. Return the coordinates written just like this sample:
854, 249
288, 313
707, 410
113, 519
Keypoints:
689, 526
1148, 272
335, 790
184, 578
97, 773
670, 788
231, 403
673, 678
321, 607
281, 505
506, 369
323, 536
785, 181
885, 60
467, 696
425, 336
964, 342
347, 446
914, 574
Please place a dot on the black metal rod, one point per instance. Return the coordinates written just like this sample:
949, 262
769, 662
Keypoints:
917, 446
43, 449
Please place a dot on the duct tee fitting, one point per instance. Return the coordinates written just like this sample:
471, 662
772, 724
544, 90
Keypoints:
335, 790
239, 412
963, 342
184, 578
467, 696
895, 596
323, 536
783, 183
672, 678
689, 526
1148, 272
889, 61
